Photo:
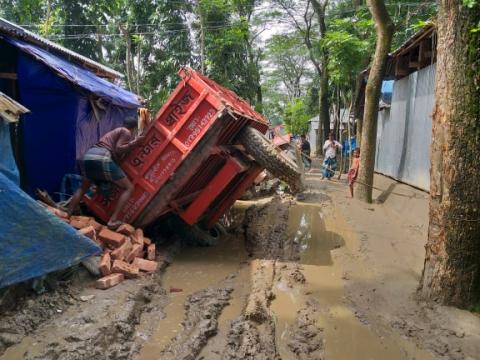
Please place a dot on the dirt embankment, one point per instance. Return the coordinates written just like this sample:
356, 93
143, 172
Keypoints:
78, 321
26, 314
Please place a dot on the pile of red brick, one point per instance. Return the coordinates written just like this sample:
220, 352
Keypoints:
126, 252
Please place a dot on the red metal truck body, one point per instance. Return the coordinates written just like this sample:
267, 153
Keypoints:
189, 162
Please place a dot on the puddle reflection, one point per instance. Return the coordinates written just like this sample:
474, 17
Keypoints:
307, 226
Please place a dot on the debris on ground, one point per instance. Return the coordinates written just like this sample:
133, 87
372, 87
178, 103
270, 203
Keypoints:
126, 252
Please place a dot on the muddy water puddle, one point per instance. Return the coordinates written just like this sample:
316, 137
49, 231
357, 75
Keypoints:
194, 269
321, 234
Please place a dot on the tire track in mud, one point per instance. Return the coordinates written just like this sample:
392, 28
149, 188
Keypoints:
202, 310
253, 335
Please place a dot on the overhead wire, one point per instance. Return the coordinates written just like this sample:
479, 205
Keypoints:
328, 14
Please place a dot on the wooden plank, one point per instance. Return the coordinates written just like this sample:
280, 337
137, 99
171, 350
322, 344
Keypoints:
402, 67
10, 76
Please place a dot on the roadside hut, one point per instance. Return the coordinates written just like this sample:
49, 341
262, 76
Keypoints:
33, 241
405, 125
72, 103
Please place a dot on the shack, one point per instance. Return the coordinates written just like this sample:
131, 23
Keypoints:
33, 241
405, 124
72, 100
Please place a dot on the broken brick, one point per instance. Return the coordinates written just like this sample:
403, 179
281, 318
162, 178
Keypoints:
111, 238
121, 252
57, 212
79, 222
137, 251
122, 267
105, 264
89, 232
145, 265
109, 281
151, 252
146, 241
97, 226
126, 229
60, 213
138, 236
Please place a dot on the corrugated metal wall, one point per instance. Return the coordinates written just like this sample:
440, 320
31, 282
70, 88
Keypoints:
405, 130
312, 134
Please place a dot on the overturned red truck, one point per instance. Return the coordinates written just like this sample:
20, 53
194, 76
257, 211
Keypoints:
202, 151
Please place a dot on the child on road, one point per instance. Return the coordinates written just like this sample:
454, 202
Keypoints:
353, 172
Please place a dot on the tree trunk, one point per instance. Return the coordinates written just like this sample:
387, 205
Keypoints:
128, 56
357, 4
139, 65
201, 14
451, 274
357, 108
324, 103
324, 106
358, 134
384, 29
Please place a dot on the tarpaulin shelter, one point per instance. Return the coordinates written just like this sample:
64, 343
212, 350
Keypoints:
10, 111
72, 105
33, 241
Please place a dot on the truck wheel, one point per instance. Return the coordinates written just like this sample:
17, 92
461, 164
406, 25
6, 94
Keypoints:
271, 157
206, 237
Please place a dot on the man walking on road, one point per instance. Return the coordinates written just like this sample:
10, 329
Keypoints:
330, 161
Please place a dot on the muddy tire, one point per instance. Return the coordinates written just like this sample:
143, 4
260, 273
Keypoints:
271, 158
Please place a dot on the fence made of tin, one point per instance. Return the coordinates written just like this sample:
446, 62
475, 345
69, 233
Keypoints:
188, 162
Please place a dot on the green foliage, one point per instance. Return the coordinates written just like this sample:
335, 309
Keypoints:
156, 29
160, 36
469, 3
296, 117
229, 55
349, 43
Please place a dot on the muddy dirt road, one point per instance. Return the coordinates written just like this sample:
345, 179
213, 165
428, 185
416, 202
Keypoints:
322, 278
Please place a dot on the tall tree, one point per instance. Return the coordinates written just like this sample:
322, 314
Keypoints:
245, 10
320, 7
302, 15
384, 29
287, 60
228, 52
451, 273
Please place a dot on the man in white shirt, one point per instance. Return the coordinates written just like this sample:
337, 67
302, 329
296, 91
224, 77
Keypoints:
330, 161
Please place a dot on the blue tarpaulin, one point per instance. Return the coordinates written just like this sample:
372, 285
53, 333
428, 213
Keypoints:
81, 77
387, 91
8, 167
71, 108
33, 241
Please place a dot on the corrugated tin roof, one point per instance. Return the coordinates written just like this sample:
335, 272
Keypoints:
424, 32
10, 110
13, 30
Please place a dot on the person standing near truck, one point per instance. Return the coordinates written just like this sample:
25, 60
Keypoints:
305, 148
330, 161
353, 172
100, 164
